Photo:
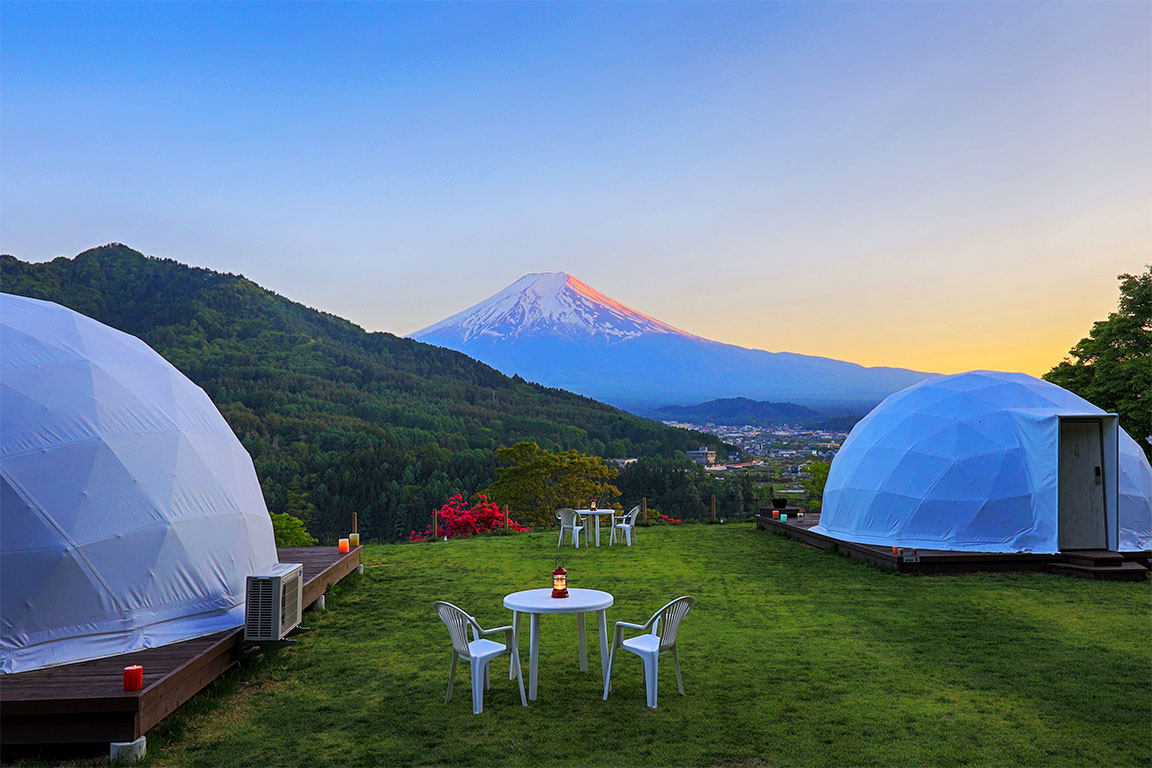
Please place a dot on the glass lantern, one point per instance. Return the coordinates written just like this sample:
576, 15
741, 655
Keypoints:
559, 582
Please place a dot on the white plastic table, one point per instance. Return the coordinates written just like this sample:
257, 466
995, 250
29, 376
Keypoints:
537, 602
597, 513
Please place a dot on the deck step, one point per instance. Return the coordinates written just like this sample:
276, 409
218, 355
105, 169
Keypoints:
1097, 557
1126, 571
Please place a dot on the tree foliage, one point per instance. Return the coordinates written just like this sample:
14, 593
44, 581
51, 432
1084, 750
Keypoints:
338, 421
534, 482
1112, 366
290, 531
814, 479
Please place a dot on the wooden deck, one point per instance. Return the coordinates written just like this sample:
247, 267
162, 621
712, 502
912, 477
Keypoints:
932, 560
85, 702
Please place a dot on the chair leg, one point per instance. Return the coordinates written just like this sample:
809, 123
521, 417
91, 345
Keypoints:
487, 677
651, 677
608, 675
628, 535
561, 540
576, 537
451, 677
478, 672
676, 662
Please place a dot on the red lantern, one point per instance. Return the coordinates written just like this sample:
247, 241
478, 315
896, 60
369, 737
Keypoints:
592, 506
559, 582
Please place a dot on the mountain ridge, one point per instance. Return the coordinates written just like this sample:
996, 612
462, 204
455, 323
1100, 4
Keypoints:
738, 411
553, 329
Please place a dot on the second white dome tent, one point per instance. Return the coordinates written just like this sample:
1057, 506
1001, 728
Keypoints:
989, 462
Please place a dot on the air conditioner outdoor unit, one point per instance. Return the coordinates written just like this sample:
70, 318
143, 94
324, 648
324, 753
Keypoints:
274, 603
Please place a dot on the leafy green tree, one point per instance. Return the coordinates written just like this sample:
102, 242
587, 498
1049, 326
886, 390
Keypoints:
290, 531
814, 479
1112, 366
535, 482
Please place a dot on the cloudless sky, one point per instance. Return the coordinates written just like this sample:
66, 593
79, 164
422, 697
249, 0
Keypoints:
936, 186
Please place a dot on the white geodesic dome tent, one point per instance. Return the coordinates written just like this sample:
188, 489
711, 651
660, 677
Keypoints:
974, 462
130, 515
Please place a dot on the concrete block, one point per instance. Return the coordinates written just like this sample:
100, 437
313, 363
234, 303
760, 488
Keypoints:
127, 752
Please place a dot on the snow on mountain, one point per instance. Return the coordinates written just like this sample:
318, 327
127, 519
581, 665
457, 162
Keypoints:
553, 329
546, 302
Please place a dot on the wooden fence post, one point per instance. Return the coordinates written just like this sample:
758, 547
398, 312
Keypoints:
435, 526
644, 506
713, 507
355, 519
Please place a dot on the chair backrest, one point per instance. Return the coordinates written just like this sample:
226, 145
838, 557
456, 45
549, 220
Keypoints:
457, 622
666, 621
632, 515
568, 517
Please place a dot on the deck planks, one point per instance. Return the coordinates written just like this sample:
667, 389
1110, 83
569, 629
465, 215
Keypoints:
85, 701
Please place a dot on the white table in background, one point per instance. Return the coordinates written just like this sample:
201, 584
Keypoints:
597, 513
537, 602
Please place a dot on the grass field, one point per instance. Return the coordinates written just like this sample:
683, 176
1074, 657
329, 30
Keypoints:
792, 656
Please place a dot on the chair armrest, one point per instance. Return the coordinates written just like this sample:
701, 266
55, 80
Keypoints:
622, 624
494, 630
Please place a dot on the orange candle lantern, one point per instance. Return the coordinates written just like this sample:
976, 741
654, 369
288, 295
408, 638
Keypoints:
133, 677
559, 582
592, 505
344, 548
776, 514
354, 540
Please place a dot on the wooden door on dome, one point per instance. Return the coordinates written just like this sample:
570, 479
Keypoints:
1082, 524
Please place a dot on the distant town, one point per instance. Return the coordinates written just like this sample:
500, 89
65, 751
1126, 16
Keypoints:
778, 451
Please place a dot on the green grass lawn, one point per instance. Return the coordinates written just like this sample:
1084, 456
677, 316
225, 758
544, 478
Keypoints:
791, 656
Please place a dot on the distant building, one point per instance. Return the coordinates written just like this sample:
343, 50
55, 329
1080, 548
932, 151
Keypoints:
702, 456
621, 463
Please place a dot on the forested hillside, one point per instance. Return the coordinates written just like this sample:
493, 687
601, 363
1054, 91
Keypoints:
337, 420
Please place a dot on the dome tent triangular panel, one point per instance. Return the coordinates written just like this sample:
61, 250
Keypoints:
130, 515
983, 462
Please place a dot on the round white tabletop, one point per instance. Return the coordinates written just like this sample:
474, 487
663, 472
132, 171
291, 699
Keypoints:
541, 601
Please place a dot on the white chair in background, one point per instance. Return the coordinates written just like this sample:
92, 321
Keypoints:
479, 652
626, 524
570, 520
660, 638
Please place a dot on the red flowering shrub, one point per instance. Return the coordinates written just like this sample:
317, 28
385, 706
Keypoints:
456, 520
672, 520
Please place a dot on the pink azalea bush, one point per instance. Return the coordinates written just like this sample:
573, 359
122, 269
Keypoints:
457, 520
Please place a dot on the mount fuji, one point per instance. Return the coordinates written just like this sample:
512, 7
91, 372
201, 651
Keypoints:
553, 329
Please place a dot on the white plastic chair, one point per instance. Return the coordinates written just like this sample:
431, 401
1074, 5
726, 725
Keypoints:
626, 524
660, 639
479, 652
570, 520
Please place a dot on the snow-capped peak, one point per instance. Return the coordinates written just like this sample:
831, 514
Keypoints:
552, 303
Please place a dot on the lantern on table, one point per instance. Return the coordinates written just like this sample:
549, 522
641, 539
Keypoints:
592, 505
560, 582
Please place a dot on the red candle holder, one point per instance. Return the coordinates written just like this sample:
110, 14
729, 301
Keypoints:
133, 677
344, 548
776, 514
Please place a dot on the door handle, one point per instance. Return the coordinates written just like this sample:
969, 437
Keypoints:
1097, 475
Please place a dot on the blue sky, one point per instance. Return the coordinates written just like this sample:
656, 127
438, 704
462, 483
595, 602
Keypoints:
938, 186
